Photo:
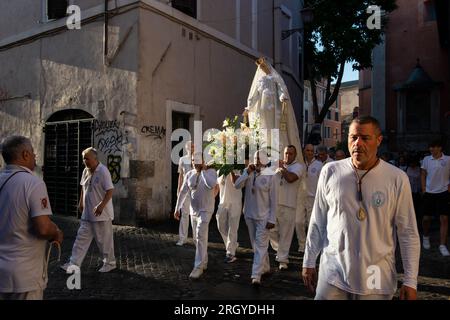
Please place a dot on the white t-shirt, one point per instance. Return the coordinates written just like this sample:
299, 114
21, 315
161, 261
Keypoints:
228, 193
261, 203
200, 189
22, 254
185, 164
353, 249
287, 193
94, 189
438, 173
414, 179
312, 176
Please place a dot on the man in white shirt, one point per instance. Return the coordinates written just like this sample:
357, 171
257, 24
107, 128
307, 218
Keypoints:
228, 215
184, 166
362, 206
313, 167
289, 175
25, 225
435, 177
259, 210
97, 213
322, 155
199, 185
340, 155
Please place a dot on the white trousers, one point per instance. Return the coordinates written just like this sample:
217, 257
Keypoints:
200, 226
326, 291
30, 295
259, 238
228, 217
302, 221
281, 235
183, 229
102, 232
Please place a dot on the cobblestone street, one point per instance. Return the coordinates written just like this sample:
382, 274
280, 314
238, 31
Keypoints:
150, 266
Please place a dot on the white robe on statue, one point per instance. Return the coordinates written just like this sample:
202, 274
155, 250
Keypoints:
265, 105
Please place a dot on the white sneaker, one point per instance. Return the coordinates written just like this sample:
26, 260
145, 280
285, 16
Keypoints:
426, 243
66, 266
256, 282
179, 243
107, 267
444, 251
196, 273
283, 266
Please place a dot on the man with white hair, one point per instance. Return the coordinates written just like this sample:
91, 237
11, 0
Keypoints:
97, 213
199, 185
259, 210
25, 225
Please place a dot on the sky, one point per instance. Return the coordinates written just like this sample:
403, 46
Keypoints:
349, 74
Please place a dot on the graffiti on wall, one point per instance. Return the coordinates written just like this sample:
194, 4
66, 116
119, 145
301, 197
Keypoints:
114, 164
102, 127
112, 143
158, 132
110, 139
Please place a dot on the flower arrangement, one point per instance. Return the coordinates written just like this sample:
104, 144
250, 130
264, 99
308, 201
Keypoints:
229, 149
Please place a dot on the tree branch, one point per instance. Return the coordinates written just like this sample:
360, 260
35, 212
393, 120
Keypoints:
332, 99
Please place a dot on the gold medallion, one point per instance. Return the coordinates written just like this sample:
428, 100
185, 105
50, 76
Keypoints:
361, 214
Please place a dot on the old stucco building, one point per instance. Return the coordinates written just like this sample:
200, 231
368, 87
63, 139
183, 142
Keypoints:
127, 79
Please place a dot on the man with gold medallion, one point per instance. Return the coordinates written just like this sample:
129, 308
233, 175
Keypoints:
362, 205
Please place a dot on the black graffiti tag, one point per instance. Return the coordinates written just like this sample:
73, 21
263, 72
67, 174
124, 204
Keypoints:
105, 127
112, 143
114, 167
154, 131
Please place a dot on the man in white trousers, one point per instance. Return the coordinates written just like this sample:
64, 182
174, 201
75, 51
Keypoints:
363, 207
259, 210
97, 213
184, 166
199, 185
313, 168
289, 174
228, 215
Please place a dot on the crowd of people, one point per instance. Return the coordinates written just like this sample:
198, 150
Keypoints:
353, 226
353, 210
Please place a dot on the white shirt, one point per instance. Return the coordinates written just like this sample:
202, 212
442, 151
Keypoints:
199, 188
260, 204
327, 160
414, 179
185, 165
228, 193
22, 254
438, 173
94, 189
312, 176
351, 247
287, 193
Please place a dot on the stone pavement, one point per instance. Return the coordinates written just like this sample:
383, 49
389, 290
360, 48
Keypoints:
151, 267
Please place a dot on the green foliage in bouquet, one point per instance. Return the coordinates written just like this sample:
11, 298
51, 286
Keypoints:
219, 142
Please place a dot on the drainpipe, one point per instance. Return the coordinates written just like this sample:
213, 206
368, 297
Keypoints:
105, 35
